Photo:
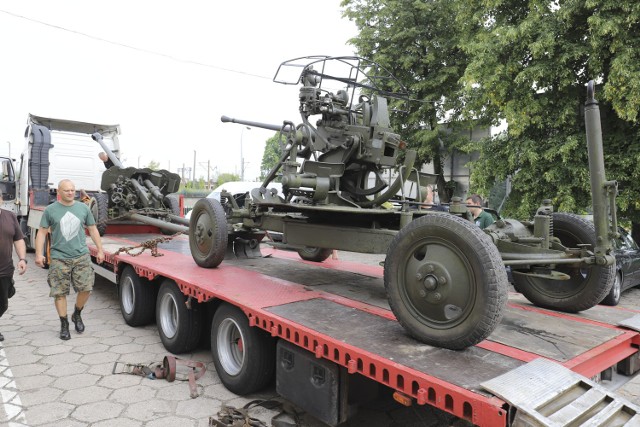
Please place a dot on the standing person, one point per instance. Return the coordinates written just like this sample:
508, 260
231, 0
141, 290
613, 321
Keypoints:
426, 193
481, 218
106, 160
10, 235
70, 263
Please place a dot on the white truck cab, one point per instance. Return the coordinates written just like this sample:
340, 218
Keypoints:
54, 149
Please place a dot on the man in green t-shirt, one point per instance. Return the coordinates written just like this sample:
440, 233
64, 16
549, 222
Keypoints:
481, 218
70, 263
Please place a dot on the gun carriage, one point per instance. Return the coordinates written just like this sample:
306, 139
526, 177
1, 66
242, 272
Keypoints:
343, 178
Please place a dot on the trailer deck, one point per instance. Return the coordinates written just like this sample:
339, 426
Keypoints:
338, 310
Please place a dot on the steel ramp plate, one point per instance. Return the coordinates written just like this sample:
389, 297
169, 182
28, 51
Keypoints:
631, 323
545, 393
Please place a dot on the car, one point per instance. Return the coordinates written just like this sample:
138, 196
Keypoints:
627, 255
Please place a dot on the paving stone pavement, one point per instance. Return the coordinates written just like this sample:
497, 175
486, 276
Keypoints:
48, 382
45, 381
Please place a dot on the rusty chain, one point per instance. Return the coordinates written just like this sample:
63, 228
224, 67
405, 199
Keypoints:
152, 244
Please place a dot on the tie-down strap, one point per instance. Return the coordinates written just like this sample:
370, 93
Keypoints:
167, 370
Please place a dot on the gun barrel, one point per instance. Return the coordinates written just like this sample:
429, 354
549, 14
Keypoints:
97, 137
277, 128
600, 187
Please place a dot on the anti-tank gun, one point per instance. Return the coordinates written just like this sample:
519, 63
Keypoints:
445, 278
142, 194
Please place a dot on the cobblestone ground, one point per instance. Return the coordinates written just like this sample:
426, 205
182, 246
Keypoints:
48, 382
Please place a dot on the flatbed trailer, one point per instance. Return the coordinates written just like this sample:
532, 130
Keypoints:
336, 313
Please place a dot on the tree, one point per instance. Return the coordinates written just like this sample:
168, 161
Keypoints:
271, 156
529, 63
414, 42
227, 177
153, 165
526, 62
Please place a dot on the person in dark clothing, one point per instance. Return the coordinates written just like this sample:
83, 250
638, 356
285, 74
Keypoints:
426, 194
10, 235
106, 160
480, 217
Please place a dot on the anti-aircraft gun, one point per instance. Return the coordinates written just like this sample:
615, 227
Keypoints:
141, 194
445, 278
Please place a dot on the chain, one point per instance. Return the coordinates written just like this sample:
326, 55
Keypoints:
152, 245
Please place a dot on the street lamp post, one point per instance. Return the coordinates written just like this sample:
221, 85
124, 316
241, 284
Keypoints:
241, 153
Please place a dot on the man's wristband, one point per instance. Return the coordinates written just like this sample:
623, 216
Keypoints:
25, 261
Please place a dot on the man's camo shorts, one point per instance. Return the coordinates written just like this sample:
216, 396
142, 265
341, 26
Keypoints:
66, 272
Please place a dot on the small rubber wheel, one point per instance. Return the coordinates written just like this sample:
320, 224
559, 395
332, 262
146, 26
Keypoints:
179, 327
586, 286
208, 233
244, 357
445, 281
314, 254
613, 298
99, 206
137, 298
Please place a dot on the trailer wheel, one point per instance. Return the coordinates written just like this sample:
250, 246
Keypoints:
244, 357
137, 298
172, 203
208, 233
585, 288
179, 326
445, 281
99, 205
613, 298
314, 254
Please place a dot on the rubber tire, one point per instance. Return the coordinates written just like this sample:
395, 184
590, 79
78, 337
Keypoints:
441, 245
578, 293
137, 298
99, 206
247, 369
178, 326
172, 203
314, 254
208, 233
613, 297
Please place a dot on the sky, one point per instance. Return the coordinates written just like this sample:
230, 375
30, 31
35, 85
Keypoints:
165, 71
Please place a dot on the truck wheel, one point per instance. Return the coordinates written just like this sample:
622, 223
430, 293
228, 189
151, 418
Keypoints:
99, 205
172, 203
445, 281
244, 357
613, 298
137, 298
586, 287
179, 326
208, 233
314, 254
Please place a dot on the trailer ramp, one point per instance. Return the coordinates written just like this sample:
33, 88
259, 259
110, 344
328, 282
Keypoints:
545, 393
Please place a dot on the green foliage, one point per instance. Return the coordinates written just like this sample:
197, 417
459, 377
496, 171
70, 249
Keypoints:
414, 41
153, 165
271, 156
227, 177
526, 62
